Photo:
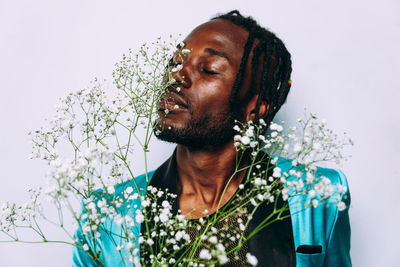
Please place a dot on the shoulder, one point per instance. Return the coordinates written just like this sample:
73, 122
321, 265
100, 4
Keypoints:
138, 183
336, 177
326, 224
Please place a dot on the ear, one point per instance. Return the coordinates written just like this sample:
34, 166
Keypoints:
251, 108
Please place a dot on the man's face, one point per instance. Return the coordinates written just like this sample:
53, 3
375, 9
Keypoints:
199, 115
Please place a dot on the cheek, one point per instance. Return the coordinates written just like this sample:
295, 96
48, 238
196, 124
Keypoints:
212, 105
210, 96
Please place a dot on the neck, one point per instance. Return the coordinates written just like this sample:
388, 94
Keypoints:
207, 178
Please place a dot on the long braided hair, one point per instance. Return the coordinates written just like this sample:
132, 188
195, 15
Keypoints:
276, 66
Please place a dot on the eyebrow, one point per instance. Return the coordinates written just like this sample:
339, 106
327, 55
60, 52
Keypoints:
216, 53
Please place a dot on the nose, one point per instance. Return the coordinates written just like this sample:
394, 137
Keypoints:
182, 77
181, 71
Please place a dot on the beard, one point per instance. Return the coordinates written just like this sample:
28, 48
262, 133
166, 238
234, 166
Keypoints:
211, 131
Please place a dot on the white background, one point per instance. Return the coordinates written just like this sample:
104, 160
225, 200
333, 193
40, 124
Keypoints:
346, 65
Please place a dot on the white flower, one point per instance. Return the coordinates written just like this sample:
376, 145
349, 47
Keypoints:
315, 203
111, 190
91, 206
311, 193
220, 247
309, 178
129, 245
273, 126
252, 260
177, 68
139, 218
165, 204
185, 51
341, 206
205, 254
101, 203
145, 203
150, 241
286, 147
129, 190
186, 237
163, 217
245, 140
276, 172
237, 137
276, 127
179, 235
213, 239
285, 193
250, 132
236, 128
253, 144
297, 148
342, 189
118, 219
136, 261
85, 247
222, 259
316, 146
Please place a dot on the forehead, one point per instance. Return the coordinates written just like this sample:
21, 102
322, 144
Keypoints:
219, 34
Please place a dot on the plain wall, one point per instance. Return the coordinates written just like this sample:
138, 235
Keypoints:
345, 68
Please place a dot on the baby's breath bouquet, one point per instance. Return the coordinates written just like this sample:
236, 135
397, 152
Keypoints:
88, 146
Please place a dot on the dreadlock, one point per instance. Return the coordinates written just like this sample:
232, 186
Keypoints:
276, 65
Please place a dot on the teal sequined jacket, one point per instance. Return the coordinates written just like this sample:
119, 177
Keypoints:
324, 226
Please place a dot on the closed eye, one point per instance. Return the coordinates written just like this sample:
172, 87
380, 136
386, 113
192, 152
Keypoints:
210, 72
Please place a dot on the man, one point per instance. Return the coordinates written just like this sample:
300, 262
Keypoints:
236, 70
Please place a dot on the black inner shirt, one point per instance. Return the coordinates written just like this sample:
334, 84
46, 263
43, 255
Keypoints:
272, 246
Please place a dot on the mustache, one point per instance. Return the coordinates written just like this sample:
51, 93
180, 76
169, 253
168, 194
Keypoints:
179, 97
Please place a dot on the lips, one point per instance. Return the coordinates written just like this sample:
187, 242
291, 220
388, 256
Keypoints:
172, 101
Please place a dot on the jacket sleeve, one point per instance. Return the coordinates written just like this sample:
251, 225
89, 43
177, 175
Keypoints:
338, 248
